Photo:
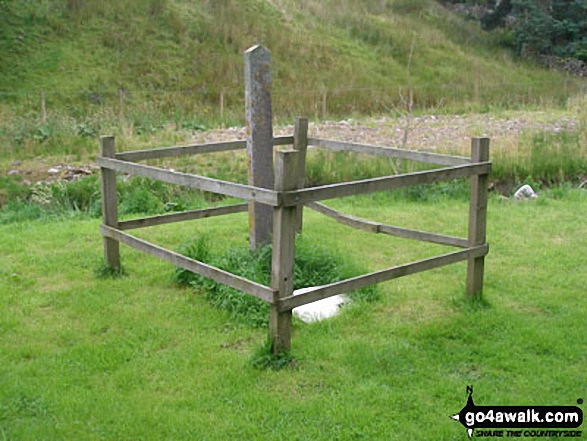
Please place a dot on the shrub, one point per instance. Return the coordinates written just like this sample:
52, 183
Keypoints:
314, 266
12, 188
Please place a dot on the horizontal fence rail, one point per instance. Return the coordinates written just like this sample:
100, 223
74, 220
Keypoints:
384, 183
390, 152
247, 192
345, 286
193, 149
375, 227
255, 289
183, 216
183, 150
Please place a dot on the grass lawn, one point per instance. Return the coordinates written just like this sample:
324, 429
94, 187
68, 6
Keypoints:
139, 358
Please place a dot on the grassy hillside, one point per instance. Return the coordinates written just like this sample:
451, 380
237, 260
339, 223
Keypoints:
178, 55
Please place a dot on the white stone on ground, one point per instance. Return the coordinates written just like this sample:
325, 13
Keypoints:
525, 192
321, 309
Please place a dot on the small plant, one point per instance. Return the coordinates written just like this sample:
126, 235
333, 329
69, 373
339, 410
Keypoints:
198, 249
193, 126
471, 304
42, 134
105, 271
85, 130
12, 188
264, 358
140, 200
174, 206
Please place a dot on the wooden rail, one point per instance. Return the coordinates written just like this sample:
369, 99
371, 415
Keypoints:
375, 227
247, 192
183, 216
193, 149
384, 183
255, 289
390, 152
345, 286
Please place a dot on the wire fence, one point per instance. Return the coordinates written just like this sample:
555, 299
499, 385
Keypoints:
226, 103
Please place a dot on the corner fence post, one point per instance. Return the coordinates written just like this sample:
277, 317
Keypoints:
477, 216
282, 259
259, 139
109, 202
301, 145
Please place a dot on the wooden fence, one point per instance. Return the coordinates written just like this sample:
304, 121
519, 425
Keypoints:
283, 196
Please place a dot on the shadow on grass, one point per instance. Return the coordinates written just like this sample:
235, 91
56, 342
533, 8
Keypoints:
467, 303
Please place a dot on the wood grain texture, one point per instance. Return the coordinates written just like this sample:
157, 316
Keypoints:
477, 216
193, 149
182, 150
376, 227
183, 216
259, 119
384, 183
395, 272
283, 252
390, 152
109, 202
255, 289
246, 192
301, 145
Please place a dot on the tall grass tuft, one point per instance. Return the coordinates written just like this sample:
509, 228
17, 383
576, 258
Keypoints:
543, 157
314, 265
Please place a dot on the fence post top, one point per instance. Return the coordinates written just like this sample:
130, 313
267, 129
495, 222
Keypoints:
257, 49
480, 149
286, 152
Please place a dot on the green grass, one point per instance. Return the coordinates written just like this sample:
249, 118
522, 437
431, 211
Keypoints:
83, 357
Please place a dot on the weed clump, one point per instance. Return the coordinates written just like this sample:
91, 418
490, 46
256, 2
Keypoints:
314, 266
263, 358
105, 271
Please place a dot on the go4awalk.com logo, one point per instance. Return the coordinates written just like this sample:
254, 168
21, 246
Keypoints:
520, 421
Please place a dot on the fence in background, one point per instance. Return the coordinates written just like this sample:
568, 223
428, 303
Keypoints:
226, 103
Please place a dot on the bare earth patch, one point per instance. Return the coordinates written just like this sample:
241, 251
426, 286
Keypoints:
448, 133
429, 132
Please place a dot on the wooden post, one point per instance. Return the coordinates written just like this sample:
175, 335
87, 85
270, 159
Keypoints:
259, 139
109, 203
43, 108
477, 216
301, 145
282, 259
324, 106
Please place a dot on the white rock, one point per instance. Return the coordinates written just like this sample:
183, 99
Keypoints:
320, 310
525, 192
